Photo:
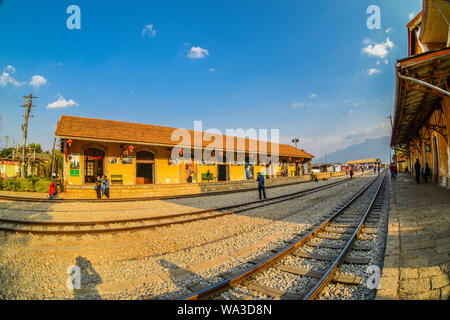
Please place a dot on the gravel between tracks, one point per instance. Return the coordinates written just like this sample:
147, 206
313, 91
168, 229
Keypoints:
160, 262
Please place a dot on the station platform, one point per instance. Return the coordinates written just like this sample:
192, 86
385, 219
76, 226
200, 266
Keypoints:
417, 257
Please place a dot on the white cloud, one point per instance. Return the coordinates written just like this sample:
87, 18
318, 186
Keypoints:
313, 95
61, 103
298, 105
411, 15
373, 71
380, 50
389, 30
386, 61
150, 29
378, 62
211, 69
10, 69
37, 81
7, 77
198, 53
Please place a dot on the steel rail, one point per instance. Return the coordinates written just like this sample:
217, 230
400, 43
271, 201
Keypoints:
326, 278
250, 272
275, 200
153, 198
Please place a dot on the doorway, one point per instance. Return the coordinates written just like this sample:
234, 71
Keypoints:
93, 164
222, 174
145, 167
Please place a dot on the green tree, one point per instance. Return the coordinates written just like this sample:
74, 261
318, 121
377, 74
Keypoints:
5, 152
35, 146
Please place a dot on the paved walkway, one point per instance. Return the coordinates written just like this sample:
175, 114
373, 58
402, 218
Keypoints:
417, 259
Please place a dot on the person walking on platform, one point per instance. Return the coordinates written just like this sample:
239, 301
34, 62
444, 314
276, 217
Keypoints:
375, 169
261, 187
106, 183
417, 168
393, 171
379, 167
97, 187
427, 173
351, 173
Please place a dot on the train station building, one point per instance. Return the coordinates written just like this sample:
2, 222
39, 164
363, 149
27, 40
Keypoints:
140, 154
422, 103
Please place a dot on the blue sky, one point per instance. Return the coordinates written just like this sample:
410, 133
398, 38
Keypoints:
308, 68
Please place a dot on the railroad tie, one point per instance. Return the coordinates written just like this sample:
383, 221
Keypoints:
345, 279
272, 292
196, 286
356, 246
351, 260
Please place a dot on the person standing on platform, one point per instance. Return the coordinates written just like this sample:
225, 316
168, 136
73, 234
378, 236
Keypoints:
417, 168
261, 187
52, 191
97, 187
351, 173
106, 184
102, 185
379, 167
375, 169
392, 169
427, 173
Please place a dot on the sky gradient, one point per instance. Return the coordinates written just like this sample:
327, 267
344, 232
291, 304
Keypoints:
309, 68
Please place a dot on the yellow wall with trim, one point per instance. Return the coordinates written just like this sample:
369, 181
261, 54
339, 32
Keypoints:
164, 172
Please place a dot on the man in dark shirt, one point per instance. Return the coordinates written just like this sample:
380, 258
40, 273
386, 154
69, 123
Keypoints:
417, 168
261, 187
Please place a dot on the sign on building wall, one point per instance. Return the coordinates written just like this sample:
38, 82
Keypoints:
74, 165
127, 160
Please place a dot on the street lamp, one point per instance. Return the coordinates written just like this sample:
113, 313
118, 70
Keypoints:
295, 140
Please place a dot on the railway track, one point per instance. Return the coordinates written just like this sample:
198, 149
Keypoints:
334, 238
124, 225
183, 196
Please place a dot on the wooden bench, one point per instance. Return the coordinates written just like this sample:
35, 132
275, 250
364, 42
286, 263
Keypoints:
209, 178
116, 179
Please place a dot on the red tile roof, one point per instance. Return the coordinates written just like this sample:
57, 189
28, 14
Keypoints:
127, 132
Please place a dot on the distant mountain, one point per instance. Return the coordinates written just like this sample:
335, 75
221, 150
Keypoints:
370, 148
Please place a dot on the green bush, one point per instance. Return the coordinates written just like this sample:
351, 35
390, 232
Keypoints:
25, 185
42, 185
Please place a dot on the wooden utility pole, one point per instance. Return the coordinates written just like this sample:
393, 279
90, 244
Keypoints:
28, 104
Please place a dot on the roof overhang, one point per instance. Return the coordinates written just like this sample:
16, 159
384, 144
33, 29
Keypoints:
73, 137
414, 103
435, 21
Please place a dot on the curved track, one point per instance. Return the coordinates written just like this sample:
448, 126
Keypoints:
92, 227
348, 220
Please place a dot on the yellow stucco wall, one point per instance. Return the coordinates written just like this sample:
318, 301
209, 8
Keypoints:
164, 172
237, 173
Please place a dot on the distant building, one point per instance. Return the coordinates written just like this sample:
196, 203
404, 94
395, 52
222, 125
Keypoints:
367, 163
422, 103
